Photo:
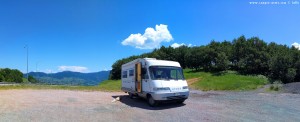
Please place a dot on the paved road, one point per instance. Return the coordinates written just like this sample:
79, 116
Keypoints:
64, 105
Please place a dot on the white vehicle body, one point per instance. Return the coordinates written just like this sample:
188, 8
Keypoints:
158, 79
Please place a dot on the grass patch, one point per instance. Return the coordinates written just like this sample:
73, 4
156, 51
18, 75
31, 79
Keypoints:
189, 74
228, 80
108, 85
25, 80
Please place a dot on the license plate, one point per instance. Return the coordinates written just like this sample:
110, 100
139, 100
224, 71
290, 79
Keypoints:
176, 89
176, 94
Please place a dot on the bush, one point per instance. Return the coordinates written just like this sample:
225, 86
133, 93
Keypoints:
32, 79
1, 78
276, 86
290, 75
11, 75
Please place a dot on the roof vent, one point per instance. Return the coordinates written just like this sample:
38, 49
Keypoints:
150, 58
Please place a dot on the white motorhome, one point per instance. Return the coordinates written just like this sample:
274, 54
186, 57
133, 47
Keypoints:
154, 80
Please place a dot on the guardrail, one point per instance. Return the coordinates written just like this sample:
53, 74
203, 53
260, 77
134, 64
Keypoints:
8, 83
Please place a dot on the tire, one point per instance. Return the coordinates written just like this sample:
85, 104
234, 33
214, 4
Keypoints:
151, 101
130, 95
180, 101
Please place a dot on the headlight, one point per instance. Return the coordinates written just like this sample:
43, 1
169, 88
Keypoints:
185, 87
161, 89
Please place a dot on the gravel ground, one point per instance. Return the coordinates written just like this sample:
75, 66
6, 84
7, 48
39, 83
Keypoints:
64, 105
292, 88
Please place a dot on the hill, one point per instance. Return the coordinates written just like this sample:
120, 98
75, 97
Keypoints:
71, 78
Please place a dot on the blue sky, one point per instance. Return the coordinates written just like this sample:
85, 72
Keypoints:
87, 35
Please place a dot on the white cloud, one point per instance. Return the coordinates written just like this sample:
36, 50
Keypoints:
73, 68
296, 45
150, 39
176, 45
105, 69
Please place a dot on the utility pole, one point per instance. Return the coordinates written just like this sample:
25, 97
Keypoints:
26, 46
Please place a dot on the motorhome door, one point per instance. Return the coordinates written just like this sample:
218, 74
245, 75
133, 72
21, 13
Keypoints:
138, 77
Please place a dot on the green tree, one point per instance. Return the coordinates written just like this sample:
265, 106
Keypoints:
222, 62
290, 75
11, 75
16, 76
247, 56
32, 79
194, 58
281, 65
256, 59
179, 55
115, 73
238, 52
217, 54
1, 77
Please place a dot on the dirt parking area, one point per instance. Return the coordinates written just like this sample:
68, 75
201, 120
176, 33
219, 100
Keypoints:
64, 105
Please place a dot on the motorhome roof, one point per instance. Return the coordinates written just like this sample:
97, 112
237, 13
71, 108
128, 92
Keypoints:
149, 58
154, 62
162, 63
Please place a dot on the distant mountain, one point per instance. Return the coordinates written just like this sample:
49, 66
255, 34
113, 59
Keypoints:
71, 78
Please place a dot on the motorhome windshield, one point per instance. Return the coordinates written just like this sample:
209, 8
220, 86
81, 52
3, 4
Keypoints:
165, 73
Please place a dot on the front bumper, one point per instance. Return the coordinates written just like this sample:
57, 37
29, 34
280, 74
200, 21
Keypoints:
170, 95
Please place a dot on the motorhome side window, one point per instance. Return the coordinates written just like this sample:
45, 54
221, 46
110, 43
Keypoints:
144, 74
124, 74
131, 72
